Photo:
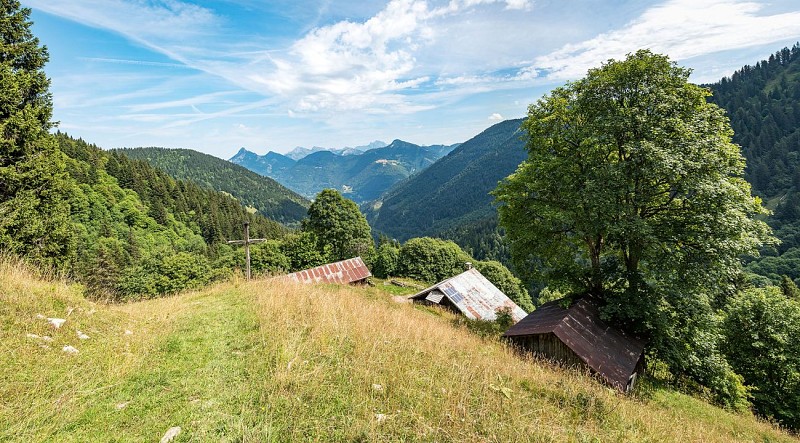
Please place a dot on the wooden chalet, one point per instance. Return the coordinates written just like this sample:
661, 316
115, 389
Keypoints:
470, 294
351, 271
577, 336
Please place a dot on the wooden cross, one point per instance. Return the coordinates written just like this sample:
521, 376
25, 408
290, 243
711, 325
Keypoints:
246, 242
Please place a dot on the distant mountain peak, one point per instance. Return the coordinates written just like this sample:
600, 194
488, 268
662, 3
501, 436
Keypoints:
362, 174
301, 152
241, 155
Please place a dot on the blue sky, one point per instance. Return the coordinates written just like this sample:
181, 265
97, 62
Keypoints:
217, 75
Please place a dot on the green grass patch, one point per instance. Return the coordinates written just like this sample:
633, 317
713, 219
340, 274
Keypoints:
274, 362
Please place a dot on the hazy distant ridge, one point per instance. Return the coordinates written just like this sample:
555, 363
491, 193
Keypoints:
359, 175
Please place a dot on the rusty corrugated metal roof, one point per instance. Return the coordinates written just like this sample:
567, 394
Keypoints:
473, 295
344, 272
606, 350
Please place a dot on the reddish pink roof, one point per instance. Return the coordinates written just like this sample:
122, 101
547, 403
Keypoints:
346, 271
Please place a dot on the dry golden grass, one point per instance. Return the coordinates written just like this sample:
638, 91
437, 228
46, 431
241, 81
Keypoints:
271, 361
327, 347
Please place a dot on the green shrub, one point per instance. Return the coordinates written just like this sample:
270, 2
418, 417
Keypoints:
387, 259
431, 259
267, 258
301, 251
762, 343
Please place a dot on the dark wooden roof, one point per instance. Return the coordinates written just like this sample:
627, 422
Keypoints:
605, 349
346, 271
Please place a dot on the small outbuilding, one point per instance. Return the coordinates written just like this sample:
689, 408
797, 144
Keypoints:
351, 271
470, 294
577, 336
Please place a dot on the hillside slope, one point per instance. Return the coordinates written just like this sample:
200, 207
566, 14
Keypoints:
454, 191
243, 362
361, 177
269, 197
763, 102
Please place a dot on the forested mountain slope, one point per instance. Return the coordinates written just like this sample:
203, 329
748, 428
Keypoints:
360, 177
763, 103
139, 232
269, 197
453, 194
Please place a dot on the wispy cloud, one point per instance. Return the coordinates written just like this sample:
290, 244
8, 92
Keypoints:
193, 102
298, 70
680, 28
119, 61
142, 21
367, 66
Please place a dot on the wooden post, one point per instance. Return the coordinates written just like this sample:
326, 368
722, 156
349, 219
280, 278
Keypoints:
247, 240
247, 247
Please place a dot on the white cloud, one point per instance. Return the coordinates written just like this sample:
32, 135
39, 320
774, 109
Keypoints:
679, 28
519, 4
495, 117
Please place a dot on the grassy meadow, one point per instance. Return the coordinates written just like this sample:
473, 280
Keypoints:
267, 361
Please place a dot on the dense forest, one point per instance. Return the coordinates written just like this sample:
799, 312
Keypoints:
264, 194
149, 233
763, 103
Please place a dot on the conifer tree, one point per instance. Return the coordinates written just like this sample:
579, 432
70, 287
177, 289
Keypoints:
34, 212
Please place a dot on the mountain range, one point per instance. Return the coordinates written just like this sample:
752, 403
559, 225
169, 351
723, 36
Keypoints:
453, 193
300, 152
360, 177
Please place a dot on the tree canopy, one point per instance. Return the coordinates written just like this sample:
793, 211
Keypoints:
338, 224
34, 214
633, 191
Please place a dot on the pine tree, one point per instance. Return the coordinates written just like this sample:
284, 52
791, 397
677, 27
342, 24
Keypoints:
34, 211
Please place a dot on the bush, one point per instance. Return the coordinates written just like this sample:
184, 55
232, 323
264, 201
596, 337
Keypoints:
431, 259
387, 259
301, 251
267, 258
762, 343
169, 275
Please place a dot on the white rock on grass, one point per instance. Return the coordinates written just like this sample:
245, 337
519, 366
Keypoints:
128, 332
82, 336
46, 338
122, 405
56, 322
380, 418
69, 349
377, 388
170, 434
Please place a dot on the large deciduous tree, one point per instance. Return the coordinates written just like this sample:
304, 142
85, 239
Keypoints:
34, 213
633, 191
340, 228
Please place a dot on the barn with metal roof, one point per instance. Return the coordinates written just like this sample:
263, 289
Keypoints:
471, 294
578, 336
350, 271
